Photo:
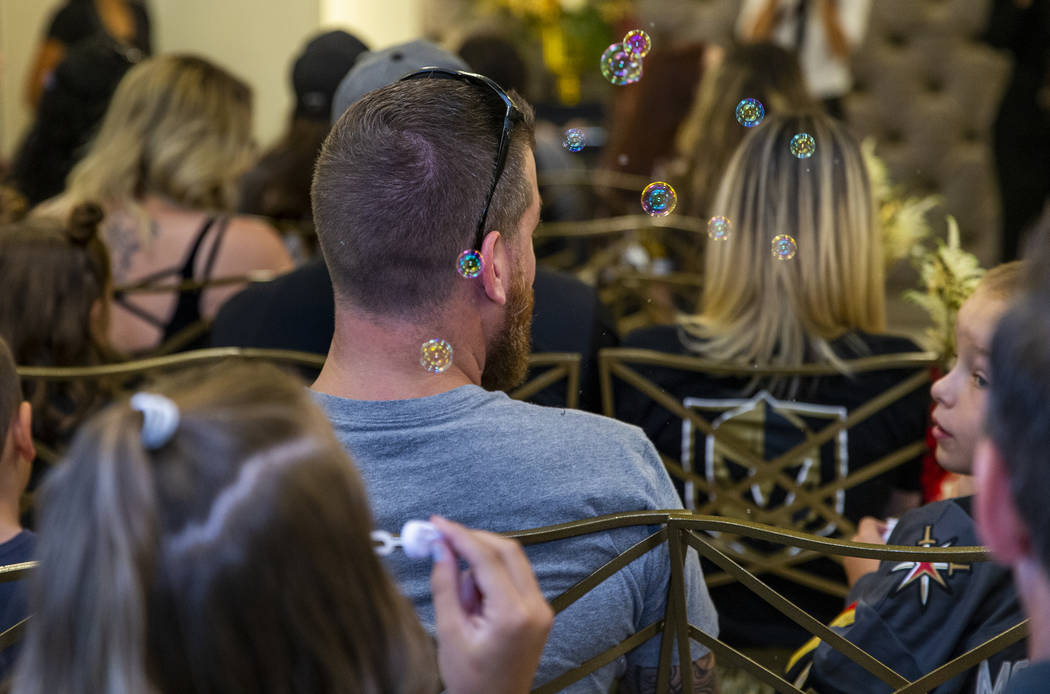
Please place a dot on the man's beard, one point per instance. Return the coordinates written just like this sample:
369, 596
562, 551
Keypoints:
507, 357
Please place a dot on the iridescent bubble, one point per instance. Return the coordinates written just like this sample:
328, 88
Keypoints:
803, 145
750, 112
659, 199
575, 139
784, 247
619, 66
637, 43
435, 356
718, 228
470, 264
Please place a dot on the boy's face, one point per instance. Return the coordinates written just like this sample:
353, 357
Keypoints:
960, 394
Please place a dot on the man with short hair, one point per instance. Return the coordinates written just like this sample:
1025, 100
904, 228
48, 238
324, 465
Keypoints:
1012, 471
412, 176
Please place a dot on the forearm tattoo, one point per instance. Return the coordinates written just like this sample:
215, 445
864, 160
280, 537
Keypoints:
643, 680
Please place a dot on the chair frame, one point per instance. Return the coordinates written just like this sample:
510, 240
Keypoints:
617, 362
682, 530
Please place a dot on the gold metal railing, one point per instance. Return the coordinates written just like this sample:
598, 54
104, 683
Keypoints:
553, 367
681, 531
623, 364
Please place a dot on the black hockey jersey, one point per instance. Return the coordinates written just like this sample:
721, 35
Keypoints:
916, 616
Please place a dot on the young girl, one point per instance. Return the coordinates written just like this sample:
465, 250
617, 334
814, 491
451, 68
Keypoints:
212, 536
916, 616
54, 284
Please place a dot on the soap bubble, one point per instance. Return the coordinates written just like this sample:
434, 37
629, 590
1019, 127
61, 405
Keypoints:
803, 145
470, 264
750, 112
718, 228
659, 199
575, 139
619, 66
637, 43
784, 247
436, 356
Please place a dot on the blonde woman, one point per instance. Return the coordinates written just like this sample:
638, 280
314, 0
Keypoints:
824, 305
165, 164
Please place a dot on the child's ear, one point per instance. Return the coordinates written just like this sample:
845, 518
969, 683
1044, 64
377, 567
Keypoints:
998, 524
22, 429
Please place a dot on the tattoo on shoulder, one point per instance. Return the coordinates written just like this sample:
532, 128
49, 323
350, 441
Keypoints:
643, 680
124, 243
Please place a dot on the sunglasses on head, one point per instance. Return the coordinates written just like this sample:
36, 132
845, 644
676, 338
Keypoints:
512, 114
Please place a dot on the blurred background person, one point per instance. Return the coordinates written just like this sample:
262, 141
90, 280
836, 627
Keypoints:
278, 186
823, 33
124, 21
68, 114
1022, 128
710, 134
165, 164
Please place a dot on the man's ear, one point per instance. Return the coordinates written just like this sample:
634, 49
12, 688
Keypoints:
22, 430
496, 271
998, 524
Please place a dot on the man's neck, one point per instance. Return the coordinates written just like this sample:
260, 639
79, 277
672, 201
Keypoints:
379, 359
1033, 585
10, 524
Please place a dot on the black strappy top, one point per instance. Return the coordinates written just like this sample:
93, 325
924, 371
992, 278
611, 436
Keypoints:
188, 307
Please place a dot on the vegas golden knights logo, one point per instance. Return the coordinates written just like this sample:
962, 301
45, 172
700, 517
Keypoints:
768, 492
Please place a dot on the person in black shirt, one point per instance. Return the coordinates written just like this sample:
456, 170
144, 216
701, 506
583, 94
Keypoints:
797, 280
125, 21
278, 186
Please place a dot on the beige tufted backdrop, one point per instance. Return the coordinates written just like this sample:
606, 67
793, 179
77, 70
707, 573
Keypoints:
929, 91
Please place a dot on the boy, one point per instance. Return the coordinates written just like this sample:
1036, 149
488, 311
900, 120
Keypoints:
16, 460
916, 616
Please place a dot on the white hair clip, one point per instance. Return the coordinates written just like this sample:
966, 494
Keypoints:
418, 539
160, 418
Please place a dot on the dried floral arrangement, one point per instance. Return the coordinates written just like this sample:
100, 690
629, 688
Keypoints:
947, 275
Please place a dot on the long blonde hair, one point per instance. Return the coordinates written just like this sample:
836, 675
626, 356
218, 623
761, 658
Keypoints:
234, 557
710, 133
179, 127
756, 308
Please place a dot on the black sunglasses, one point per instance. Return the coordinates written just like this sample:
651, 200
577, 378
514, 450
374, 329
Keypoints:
509, 118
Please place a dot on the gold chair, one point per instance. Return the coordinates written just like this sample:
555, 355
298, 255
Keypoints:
552, 367
682, 530
546, 369
780, 487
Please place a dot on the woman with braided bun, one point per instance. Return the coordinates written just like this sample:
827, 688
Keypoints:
210, 535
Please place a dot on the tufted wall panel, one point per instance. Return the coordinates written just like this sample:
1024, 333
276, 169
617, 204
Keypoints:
928, 91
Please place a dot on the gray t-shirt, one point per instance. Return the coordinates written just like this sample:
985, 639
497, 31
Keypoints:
490, 462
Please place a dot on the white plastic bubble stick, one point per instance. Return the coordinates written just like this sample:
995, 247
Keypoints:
417, 539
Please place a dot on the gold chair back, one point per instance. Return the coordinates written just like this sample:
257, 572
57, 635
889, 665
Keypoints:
681, 531
781, 487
